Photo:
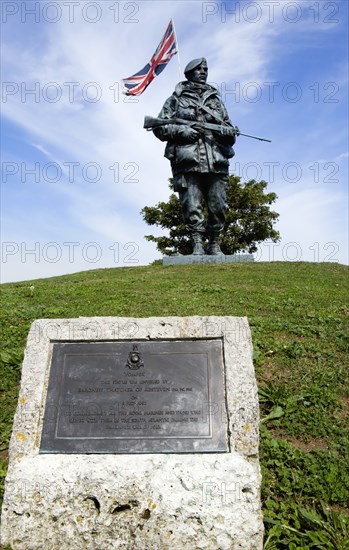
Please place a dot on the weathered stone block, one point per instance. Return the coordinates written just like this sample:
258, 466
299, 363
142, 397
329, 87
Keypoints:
179, 259
207, 500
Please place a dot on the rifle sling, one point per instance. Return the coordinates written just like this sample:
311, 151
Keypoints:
204, 108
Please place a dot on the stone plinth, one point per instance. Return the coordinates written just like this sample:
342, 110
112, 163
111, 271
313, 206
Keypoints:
201, 500
179, 259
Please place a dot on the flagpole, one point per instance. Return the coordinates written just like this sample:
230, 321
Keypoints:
179, 59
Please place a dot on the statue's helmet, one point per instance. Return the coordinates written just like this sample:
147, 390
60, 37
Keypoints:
193, 65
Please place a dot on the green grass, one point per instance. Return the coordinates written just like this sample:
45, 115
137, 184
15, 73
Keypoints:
298, 313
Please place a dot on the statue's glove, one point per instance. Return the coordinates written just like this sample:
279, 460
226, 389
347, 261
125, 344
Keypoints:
229, 130
186, 134
226, 130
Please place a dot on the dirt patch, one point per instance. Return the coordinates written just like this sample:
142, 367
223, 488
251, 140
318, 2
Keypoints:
345, 411
340, 509
272, 370
317, 444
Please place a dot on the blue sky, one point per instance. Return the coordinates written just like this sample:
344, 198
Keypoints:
78, 166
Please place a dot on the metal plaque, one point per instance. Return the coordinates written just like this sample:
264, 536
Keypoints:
136, 397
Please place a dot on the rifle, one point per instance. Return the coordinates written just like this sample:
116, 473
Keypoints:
150, 123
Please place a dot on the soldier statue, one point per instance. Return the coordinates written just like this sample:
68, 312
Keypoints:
199, 136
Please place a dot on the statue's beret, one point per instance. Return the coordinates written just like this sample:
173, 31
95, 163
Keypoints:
193, 64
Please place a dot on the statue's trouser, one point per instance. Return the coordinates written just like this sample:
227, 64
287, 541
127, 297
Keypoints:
211, 188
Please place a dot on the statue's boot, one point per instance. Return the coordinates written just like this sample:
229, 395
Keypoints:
198, 249
213, 248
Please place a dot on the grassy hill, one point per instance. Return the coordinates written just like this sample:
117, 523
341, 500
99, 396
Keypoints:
298, 314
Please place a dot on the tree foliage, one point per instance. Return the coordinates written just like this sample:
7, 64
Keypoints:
249, 220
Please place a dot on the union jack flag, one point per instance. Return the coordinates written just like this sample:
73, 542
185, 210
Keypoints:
136, 84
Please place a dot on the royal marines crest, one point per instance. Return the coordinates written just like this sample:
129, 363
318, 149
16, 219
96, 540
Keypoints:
135, 360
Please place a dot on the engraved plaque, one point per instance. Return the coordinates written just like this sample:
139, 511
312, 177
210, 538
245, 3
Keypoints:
136, 397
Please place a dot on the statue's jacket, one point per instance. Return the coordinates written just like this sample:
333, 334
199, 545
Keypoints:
210, 153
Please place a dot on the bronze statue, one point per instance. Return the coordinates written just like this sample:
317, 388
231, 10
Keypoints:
199, 136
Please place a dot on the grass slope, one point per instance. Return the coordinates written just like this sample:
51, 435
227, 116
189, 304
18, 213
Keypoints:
297, 313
